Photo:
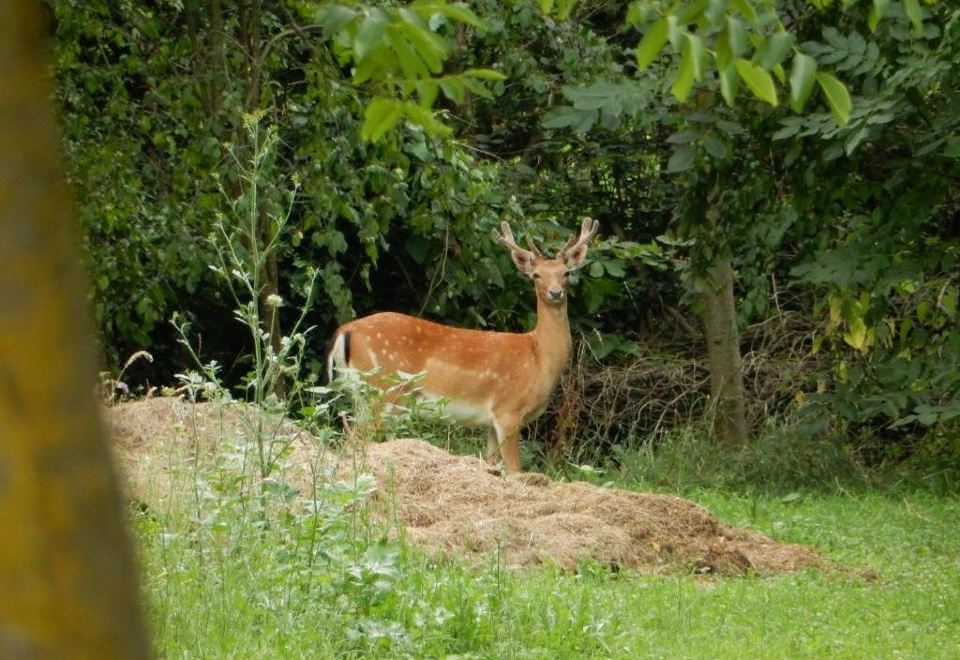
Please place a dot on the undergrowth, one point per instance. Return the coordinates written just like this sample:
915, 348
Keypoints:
317, 577
785, 456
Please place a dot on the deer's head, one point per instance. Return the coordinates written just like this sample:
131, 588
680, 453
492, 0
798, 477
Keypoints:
549, 275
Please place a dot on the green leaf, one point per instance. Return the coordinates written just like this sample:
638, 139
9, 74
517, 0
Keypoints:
425, 119
684, 137
952, 147
682, 159
736, 36
778, 45
411, 64
745, 8
380, 117
716, 147
594, 97
615, 267
370, 35
476, 87
374, 64
877, 12
428, 46
459, 12
948, 302
721, 52
759, 81
564, 7
675, 32
427, 91
579, 121
453, 89
334, 17
685, 74
484, 74
856, 334
692, 12
651, 44
716, 12
915, 14
697, 55
729, 84
838, 98
802, 76
546, 6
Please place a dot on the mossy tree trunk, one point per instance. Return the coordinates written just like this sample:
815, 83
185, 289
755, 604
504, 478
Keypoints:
68, 584
723, 352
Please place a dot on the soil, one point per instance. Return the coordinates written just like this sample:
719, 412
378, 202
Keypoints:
455, 507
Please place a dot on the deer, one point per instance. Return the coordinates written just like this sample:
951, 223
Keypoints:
501, 380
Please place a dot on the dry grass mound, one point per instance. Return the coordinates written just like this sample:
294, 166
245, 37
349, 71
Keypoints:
454, 507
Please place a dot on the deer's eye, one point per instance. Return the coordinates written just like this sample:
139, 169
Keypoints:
536, 276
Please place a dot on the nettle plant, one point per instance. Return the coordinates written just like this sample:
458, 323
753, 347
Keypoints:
250, 231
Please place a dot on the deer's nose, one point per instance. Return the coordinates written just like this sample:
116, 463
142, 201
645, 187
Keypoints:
555, 294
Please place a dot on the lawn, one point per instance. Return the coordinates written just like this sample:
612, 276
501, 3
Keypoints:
225, 583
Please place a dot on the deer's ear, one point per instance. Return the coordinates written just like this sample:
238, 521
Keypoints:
524, 261
574, 253
575, 257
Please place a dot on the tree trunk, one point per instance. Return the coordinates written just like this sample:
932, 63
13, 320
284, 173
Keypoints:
723, 352
68, 584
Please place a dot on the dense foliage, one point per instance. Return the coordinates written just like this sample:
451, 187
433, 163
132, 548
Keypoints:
807, 149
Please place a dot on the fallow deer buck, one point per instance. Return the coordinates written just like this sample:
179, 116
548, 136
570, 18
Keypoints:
501, 380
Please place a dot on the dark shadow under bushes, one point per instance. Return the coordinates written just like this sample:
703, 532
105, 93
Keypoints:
648, 419
602, 410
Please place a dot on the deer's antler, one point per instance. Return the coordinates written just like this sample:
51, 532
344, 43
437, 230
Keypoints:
534, 248
588, 229
506, 239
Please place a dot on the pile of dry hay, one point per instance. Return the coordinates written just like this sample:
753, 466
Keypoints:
453, 506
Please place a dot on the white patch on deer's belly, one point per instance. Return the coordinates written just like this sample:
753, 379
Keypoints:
464, 412
472, 413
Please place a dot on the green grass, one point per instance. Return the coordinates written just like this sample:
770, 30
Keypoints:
225, 584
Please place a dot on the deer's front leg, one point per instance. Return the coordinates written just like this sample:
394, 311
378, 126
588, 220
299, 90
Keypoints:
508, 439
493, 446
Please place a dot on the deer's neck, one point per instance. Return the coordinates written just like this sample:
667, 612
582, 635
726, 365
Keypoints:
552, 336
